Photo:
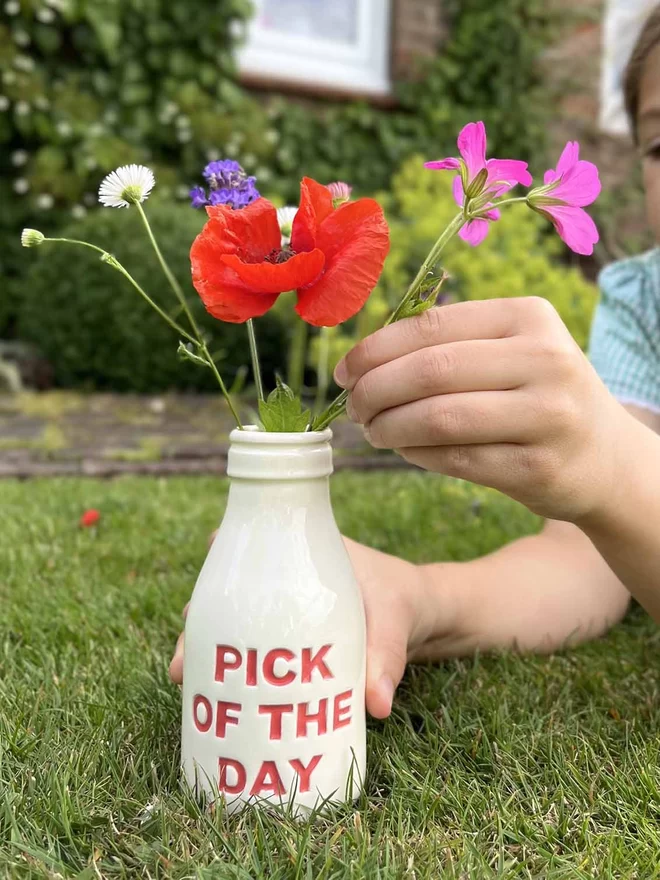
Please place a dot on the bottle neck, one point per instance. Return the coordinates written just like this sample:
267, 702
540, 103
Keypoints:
281, 495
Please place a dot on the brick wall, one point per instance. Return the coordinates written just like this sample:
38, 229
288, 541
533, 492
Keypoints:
417, 30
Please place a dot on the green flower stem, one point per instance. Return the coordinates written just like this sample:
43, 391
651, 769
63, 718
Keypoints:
115, 264
297, 357
174, 284
222, 385
254, 354
178, 292
509, 201
322, 377
339, 403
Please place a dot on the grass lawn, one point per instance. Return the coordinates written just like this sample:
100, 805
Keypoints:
489, 767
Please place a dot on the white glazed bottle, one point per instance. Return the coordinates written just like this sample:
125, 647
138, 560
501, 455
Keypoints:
274, 669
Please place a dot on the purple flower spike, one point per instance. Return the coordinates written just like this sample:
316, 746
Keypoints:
228, 185
198, 197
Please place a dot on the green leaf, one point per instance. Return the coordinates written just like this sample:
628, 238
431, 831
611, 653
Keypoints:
283, 411
186, 354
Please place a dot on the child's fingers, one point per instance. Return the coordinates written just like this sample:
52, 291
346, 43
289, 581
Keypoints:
457, 420
176, 665
485, 319
475, 365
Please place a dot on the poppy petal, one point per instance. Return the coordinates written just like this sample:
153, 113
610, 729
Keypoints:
253, 232
315, 206
355, 241
298, 271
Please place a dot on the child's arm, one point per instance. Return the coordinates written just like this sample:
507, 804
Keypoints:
498, 393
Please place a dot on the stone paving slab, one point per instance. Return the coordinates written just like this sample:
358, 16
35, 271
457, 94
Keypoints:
104, 435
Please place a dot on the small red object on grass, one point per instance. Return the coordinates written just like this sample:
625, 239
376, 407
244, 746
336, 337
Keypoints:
89, 518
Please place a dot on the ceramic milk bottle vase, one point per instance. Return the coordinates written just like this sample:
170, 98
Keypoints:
274, 669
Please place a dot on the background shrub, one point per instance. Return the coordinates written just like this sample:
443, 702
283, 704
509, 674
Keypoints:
96, 330
91, 84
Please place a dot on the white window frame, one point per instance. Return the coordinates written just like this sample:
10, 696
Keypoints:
363, 67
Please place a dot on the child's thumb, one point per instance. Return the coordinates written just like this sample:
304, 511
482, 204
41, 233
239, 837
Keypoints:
387, 642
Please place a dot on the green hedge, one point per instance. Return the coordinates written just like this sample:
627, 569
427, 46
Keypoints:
96, 330
91, 84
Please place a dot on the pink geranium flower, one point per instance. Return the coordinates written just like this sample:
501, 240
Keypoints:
479, 176
567, 190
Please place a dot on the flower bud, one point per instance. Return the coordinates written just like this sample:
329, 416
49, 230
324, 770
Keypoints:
32, 237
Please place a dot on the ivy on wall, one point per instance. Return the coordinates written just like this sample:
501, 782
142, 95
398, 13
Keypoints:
91, 84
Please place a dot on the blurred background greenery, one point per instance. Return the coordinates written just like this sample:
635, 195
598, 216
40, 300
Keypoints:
88, 85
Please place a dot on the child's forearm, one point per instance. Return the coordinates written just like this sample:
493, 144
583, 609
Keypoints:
536, 594
626, 531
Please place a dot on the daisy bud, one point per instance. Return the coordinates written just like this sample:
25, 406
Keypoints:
32, 237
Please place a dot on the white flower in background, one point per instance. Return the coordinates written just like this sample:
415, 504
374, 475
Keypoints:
24, 63
4, 103
182, 122
96, 130
19, 157
31, 237
12, 7
184, 135
78, 212
21, 186
125, 186
272, 136
22, 108
22, 38
9, 77
45, 15
110, 117
213, 155
249, 160
182, 192
45, 202
41, 102
285, 219
91, 163
263, 174
64, 129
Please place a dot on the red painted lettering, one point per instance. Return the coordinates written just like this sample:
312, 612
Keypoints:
225, 764
276, 713
271, 659
305, 718
204, 725
268, 780
304, 773
251, 678
339, 716
226, 657
310, 663
223, 718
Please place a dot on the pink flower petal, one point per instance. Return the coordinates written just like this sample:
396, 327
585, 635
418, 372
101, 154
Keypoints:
495, 214
443, 165
472, 147
575, 227
458, 191
569, 157
474, 232
511, 171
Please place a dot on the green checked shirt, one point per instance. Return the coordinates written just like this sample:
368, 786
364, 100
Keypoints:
625, 335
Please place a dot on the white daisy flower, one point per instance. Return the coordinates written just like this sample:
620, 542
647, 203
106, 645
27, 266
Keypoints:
12, 7
22, 108
64, 129
19, 157
31, 237
78, 212
4, 103
285, 219
24, 63
21, 186
126, 186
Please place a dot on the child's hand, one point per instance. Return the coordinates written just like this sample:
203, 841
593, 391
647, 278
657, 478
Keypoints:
408, 617
495, 392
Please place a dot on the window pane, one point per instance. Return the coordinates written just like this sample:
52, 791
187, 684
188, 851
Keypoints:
336, 20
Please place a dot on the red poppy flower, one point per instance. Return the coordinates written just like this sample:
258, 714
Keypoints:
89, 518
335, 258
